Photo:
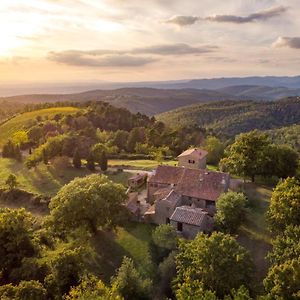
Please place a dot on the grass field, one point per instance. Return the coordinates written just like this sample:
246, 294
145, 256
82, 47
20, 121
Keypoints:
17, 123
45, 179
253, 233
144, 164
131, 240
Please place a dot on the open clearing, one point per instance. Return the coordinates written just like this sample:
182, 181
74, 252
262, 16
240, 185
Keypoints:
20, 121
45, 179
254, 234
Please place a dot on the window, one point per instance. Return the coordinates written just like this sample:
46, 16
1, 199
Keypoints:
167, 221
191, 161
179, 226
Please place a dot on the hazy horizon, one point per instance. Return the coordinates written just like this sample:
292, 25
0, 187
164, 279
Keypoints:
46, 41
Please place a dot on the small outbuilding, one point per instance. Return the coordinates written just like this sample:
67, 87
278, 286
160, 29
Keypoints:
137, 180
189, 221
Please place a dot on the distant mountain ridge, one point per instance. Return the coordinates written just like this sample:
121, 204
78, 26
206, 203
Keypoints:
149, 101
155, 100
290, 82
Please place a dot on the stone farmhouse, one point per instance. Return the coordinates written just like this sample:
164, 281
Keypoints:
185, 197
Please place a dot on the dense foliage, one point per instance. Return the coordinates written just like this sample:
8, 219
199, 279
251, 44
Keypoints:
209, 260
230, 211
253, 154
283, 278
229, 118
90, 202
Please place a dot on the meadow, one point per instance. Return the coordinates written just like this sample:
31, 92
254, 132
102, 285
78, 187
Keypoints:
8, 128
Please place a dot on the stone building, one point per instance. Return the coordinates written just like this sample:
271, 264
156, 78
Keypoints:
193, 158
194, 190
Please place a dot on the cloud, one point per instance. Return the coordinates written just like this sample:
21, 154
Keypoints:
258, 16
291, 42
183, 20
92, 59
173, 49
125, 58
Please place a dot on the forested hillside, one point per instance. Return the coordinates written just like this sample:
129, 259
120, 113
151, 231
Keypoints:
286, 135
229, 118
148, 101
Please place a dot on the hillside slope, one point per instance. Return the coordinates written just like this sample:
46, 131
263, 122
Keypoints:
144, 100
229, 118
17, 123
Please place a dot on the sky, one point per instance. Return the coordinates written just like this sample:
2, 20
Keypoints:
146, 40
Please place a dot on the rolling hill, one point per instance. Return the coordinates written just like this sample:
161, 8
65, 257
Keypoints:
228, 118
144, 100
18, 122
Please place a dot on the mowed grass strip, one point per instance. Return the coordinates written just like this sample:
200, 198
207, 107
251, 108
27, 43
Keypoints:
143, 164
20, 121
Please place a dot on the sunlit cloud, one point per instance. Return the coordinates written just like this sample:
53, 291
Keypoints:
258, 16
291, 42
124, 58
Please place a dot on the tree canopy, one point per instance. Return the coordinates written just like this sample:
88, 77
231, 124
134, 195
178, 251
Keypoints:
209, 259
230, 211
284, 207
90, 202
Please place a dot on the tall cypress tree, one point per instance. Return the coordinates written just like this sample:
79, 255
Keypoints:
103, 161
90, 163
76, 159
45, 156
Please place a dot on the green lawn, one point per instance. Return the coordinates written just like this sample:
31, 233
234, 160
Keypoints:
132, 240
18, 122
253, 233
45, 179
144, 164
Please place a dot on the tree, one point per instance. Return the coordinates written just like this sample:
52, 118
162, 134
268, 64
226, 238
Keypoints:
230, 211
283, 280
129, 282
284, 206
215, 149
120, 139
133, 138
90, 162
286, 246
11, 182
90, 202
76, 159
10, 150
286, 160
103, 161
35, 134
16, 239
25, 290
66, 268
209, 259
192, 290
20, 137
92, 288
247, 155
45, 156
165, 236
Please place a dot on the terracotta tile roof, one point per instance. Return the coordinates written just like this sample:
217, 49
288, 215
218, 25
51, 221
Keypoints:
195, 152
172, 198
196, 183
190, 215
